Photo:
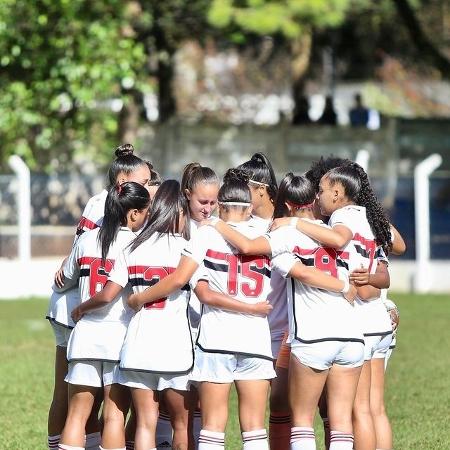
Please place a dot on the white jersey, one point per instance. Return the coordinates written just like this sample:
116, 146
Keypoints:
278, 317
61, 304
315, 315
93, 213
363, 252
99, 334
245, 278
158, 337
195, 307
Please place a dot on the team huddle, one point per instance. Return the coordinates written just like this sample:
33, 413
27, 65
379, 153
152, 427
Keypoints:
175, 291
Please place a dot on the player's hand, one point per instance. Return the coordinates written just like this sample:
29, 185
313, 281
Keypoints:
360, 277
261, 308
76, 314
280, 222
395, 318
351, 294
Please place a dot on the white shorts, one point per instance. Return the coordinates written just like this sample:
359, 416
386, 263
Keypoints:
276, 344
391, 349
93, 373
322, 355
226, 368
62, 333
370, 345
383, 347
154, 381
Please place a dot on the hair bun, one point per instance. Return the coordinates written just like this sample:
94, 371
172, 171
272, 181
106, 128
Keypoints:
124, 150
236, 174
258, 157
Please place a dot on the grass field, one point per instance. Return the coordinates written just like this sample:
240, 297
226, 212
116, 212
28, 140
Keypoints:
418, 381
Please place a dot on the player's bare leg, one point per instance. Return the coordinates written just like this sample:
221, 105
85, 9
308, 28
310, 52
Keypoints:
58, 408
115, 409
214, 404
382, 425
363, 428
252, 397
305, 387
181, 405
341, 388
81, 399
146, 407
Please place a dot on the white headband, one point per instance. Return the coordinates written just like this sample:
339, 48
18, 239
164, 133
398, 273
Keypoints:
235, 203
258, 182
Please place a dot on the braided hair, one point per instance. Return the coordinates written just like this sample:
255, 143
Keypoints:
358, 189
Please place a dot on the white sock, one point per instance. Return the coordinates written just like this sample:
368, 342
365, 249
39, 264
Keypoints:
211, 440
303, 438
197, 425
129, 445
341, 441
255, 440
93, 441
53, 441
163, 431
121, 448
68, 447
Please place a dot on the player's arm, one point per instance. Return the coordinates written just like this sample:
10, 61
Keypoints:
246, 246
398, 243
316, 278
222, 301
337, 237
109, 292
171, 283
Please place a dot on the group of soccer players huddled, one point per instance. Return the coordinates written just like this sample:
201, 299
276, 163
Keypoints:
173, 292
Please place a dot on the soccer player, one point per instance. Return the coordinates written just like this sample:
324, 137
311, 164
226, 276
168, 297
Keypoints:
94, 345
358, 226
125, 167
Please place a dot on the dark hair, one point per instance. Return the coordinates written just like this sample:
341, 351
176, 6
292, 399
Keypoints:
295, 189
259, 169
167, 206
155, 177
120, 199
235, 188
358, 189
319, 168
125, 162
194, 173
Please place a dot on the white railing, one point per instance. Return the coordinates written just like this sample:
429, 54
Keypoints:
422, 172
23, 206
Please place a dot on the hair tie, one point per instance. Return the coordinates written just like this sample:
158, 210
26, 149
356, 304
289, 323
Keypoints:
297, 206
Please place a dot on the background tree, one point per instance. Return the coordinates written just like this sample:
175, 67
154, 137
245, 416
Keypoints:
62, 63
293, 21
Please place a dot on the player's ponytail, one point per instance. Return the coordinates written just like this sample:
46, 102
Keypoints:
194, 173
260, 171
358, 189
168, 205
126, 162
120, 199
295, 190
234, 192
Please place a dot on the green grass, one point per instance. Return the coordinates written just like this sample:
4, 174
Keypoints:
418, 381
